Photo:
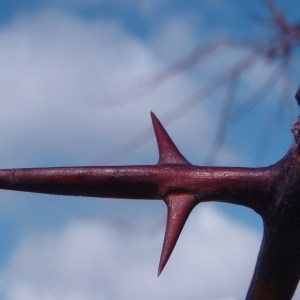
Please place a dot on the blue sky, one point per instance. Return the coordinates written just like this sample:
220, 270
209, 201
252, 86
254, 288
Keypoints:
75, 88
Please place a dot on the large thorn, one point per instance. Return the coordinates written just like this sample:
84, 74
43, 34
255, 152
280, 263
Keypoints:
179, 208
168, 152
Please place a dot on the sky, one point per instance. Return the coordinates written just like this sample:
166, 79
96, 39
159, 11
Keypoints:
77, 82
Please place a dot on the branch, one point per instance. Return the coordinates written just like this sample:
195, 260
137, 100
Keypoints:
272, 191
278, 16
171, 179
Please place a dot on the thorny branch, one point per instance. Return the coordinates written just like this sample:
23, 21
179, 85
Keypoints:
273, 192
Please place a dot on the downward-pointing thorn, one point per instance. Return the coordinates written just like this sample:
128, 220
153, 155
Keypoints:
179, 208
168, 152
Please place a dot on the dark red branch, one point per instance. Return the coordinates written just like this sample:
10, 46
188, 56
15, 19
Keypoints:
272, 191
147, 182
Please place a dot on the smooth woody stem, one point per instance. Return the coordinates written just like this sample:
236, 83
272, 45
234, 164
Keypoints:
235, 185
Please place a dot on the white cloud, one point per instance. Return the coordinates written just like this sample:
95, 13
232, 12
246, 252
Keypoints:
214, 259
63, 77
58, 75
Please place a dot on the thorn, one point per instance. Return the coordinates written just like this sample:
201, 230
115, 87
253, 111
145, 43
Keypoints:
179, 208
168, 152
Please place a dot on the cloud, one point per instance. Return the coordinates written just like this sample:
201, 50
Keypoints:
62, 79
214, 259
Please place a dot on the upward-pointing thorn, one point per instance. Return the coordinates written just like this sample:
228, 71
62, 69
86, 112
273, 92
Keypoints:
168, 152
179, 208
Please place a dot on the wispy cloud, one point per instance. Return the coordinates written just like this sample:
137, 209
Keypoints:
67, 77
